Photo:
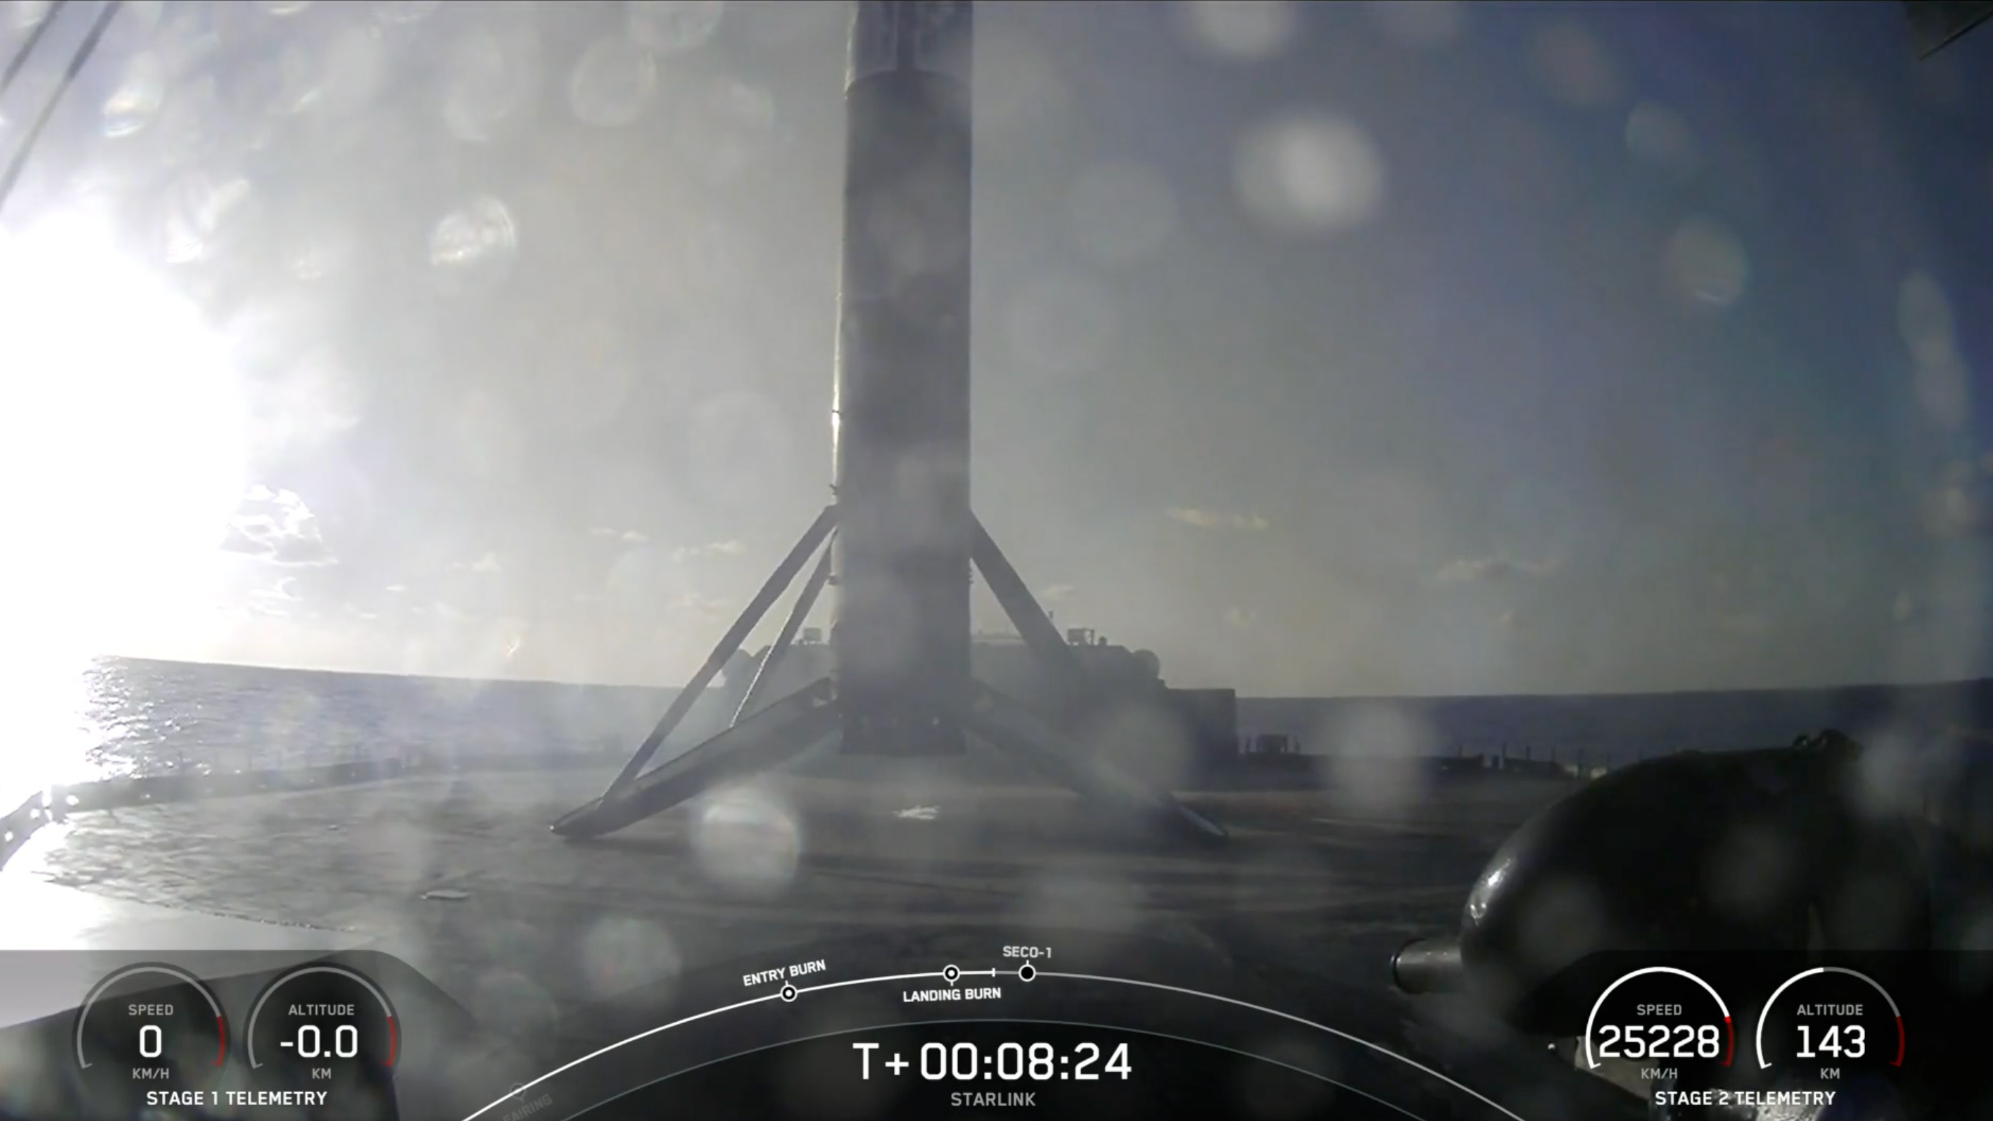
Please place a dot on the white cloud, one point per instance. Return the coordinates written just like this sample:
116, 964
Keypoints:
1056, 592
265, 607
1479, 569
627, 536
277, 600
276, 526
1217, 519
697, 604
1241, 618
488, 563
728, 548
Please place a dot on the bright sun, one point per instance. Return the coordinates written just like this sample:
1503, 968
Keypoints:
122, 440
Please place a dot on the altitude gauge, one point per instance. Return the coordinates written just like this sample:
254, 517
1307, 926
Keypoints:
1662, 1018
149, 1036
1829, 1022
324, 1037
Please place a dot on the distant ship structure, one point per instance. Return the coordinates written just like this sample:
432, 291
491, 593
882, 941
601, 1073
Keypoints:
1187, 738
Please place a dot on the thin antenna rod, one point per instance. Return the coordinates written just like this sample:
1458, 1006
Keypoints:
20, 58
21, 154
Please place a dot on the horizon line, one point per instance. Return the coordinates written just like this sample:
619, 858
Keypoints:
467, 679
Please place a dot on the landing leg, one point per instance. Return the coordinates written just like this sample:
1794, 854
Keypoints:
730, 642
765, 739
1009, 726
1062, 667
1012, 727
759, 740
812, 588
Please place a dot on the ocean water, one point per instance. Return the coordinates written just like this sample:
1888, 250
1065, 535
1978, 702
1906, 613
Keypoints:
147, 717
137, 717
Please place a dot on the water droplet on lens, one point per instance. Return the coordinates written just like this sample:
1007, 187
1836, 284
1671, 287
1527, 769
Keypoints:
493, 76
1574, 67
1924, 318
735, 104
137, 100
1311, 173
197, 207
1658, 135
613, 83
1238, 30
405, 11
473, 247
353, 69
674, 27
1419, 24
1708, 263
318, 252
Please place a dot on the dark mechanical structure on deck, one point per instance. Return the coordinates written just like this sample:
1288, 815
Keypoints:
899, 540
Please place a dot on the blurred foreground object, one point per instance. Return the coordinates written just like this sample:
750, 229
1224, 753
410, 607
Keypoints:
1768, 850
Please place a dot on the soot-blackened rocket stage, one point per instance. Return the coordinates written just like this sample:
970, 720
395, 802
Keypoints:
904, 534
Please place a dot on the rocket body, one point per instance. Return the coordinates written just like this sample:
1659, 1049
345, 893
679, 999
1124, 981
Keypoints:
900, 405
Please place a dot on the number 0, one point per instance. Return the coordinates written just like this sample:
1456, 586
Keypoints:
151, 1041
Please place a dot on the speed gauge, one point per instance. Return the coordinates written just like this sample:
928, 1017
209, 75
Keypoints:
1662, 1018
150, 1035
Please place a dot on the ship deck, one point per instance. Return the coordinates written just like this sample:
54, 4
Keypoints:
787, 854
459, 876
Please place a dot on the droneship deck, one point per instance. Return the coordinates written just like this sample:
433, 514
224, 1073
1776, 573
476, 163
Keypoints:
457, 873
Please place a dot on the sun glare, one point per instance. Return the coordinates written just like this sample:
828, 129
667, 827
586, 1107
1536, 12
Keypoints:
122, 441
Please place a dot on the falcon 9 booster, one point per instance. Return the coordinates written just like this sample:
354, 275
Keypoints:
902, 538
900, 405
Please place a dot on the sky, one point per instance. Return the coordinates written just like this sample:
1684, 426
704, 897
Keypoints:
1365, 349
